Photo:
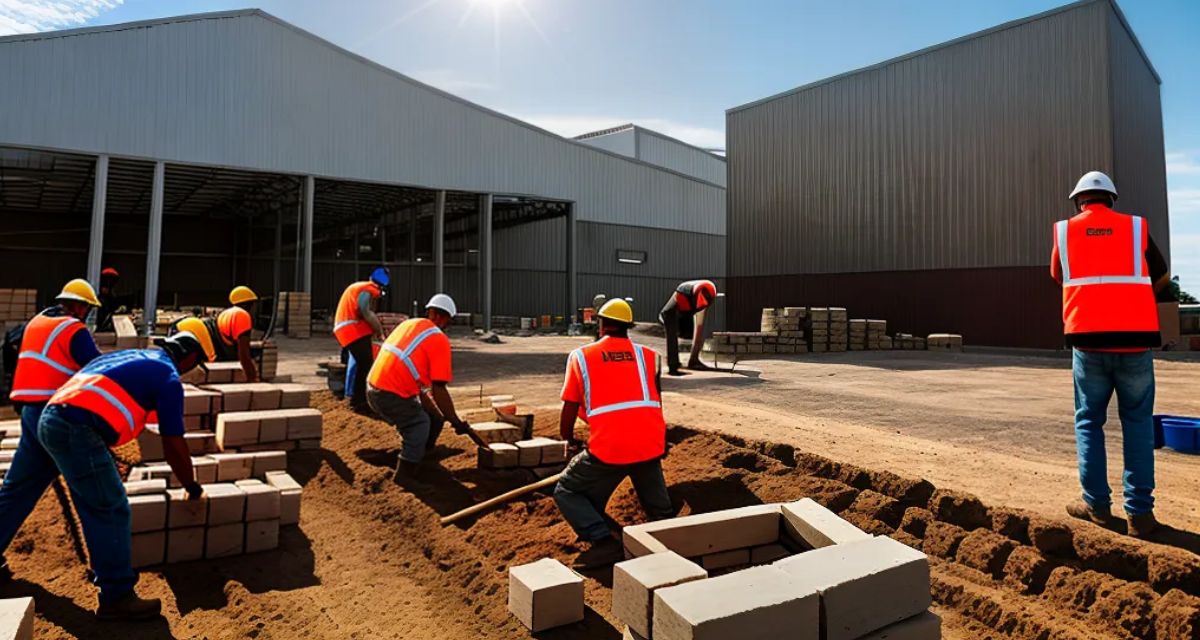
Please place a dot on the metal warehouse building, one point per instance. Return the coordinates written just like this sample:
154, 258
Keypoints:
199, 152
923, 190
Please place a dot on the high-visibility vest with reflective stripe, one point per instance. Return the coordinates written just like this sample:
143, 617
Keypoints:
348, 324
402, 367
45, 363
695, 295
100, 395
1105, 278
230, 321
621, 403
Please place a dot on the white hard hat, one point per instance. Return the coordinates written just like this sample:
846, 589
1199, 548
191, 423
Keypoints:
443, 302
1094, 181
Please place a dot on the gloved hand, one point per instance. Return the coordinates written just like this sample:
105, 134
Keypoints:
461, 427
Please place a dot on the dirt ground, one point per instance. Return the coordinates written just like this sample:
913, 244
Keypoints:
857, 432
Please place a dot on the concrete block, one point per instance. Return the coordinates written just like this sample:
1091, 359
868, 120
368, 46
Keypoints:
491, 432
554, 452
264, 396
498, 455
148, 512
182, 513
309, 443
808, 522
233, 466
759, 603
262, 500
272, 427
150, 446
281, 480
289, 497
264, 462
725, 559
927, 626
226, 503
200, 442
10, 443
529, 453
703, 534
634, 582
262, 535
545, 594
184, 545
294, 396
149, 548
199, 402
205, 470
225, 540
769, 553
303, 424
888, 574
16, 618
145, 487
236, 429
234, 397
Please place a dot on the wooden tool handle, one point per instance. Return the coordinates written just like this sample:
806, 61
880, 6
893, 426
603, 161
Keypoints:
500, 499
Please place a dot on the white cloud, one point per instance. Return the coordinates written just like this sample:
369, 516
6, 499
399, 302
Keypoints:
573, 125
26, 16
450, 80
1183, 163
1183, 203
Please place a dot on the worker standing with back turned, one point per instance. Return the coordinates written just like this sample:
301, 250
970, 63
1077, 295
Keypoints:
354, 327
684, 313
1110, 269
416, 358
56, 344
234, 328
611, 385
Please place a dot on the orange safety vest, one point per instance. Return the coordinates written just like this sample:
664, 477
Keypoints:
621, 403
45, 363
348, 325
695, 295
1105, 278
402, 366
102, 396
232, 323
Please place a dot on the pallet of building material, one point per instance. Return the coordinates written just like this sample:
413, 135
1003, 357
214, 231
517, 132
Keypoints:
269, 430
266, 356
17, 305
944, 342
293, 314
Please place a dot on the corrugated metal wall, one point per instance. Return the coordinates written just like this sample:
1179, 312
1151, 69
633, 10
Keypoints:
667, 152
253, 92
623, 142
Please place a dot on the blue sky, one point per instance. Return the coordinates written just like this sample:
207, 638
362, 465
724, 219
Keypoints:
676, 65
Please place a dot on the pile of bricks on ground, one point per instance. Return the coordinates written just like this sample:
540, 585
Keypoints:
818, 329
17, 306
868, 335
509, 445
231, 518
16, 618
908, 342
293, 314
793, 570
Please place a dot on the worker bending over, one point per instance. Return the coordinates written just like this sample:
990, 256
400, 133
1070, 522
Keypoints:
354, 326
1110, 270
610, 384
684, 313
234, 329
105, 405
414, 359
56, 344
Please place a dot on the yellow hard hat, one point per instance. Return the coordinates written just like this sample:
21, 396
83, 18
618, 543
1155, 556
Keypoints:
242, 294
197, 328
617, 309
79, 289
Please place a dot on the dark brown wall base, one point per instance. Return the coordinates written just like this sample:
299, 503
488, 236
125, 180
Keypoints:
1002, 307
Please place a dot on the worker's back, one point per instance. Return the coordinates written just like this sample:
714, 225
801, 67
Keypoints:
621, 400
415, 355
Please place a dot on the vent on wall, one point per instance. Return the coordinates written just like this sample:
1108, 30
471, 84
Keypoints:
626, 256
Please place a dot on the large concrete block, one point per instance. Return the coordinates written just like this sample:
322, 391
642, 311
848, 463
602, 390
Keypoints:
232, 467
205, 470
529, 452
293, 396
234, 397
182, 513
225, 540
184, 545
150, 445
148, 512
149, 548
289, 496
303, 424
759, 603
927, 626
554, 451
200, 442
498, 455
262, 500
891, 576
264, 462
700, 535
808, 522
199, 402
264, 396
145, 487
16, 618
634, 582
545, 594
226, 503
262, 535
272, 427
491, 432
236, 429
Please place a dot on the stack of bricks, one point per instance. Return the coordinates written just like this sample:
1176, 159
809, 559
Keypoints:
10, 437
17, 306
506, 451
944, 342
390, 321
908, 342
734, 342
293, 314
216, 373
839, 329
266, 355
231, 518
876, 332
775, 570
817, 326
215, 467
787, 322
261, 416
858, 335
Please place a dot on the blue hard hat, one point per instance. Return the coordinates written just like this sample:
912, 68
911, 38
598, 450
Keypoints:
381, 276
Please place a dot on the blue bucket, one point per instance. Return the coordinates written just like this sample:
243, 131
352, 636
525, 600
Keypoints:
1181, 434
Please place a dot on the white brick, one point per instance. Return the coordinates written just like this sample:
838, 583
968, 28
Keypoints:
226, 503
294, 396
759, 603
891, 576
499, 455
634, 582
16, 618
529, 453
233, 466
490, 432
145, 487
264, 462
554, 451
262, 500
150, 445
262, 535
225, 540
303, 424
289, 497
205, 470
236, 429
808, 522
927, 626
148, 512
149, 548
545, 594
182, 513
185, 544
272, 427
699, 535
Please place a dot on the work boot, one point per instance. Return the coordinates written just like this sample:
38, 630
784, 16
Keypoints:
675, 372
1143, 525
1084, 511
131, 607
698, 366
406, 472
603, 553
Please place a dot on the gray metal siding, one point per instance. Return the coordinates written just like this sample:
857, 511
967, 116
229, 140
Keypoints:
957, 157
1140, 165
252, 92
623, 142
673, 154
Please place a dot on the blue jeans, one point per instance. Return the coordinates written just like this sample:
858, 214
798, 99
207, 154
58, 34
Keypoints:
587, 484
31, 473
99, 496
1131, 376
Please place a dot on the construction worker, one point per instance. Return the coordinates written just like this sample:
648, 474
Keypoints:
1110, 270
610, 384
684, 313
234, 328
110, 303
55, 345
407, 384
355, 324
203, 328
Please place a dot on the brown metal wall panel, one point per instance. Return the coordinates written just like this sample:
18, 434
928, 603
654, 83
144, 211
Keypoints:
1005, 307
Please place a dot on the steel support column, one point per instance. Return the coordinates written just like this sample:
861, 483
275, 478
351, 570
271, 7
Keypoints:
154, 248
96, 239
310, 186
485, 260
572, 264
439, 242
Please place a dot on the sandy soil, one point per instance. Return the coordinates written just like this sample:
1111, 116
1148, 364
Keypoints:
370, 561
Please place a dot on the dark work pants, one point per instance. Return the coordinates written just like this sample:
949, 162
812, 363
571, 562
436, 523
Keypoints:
674, 321
587, 484
364, 358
